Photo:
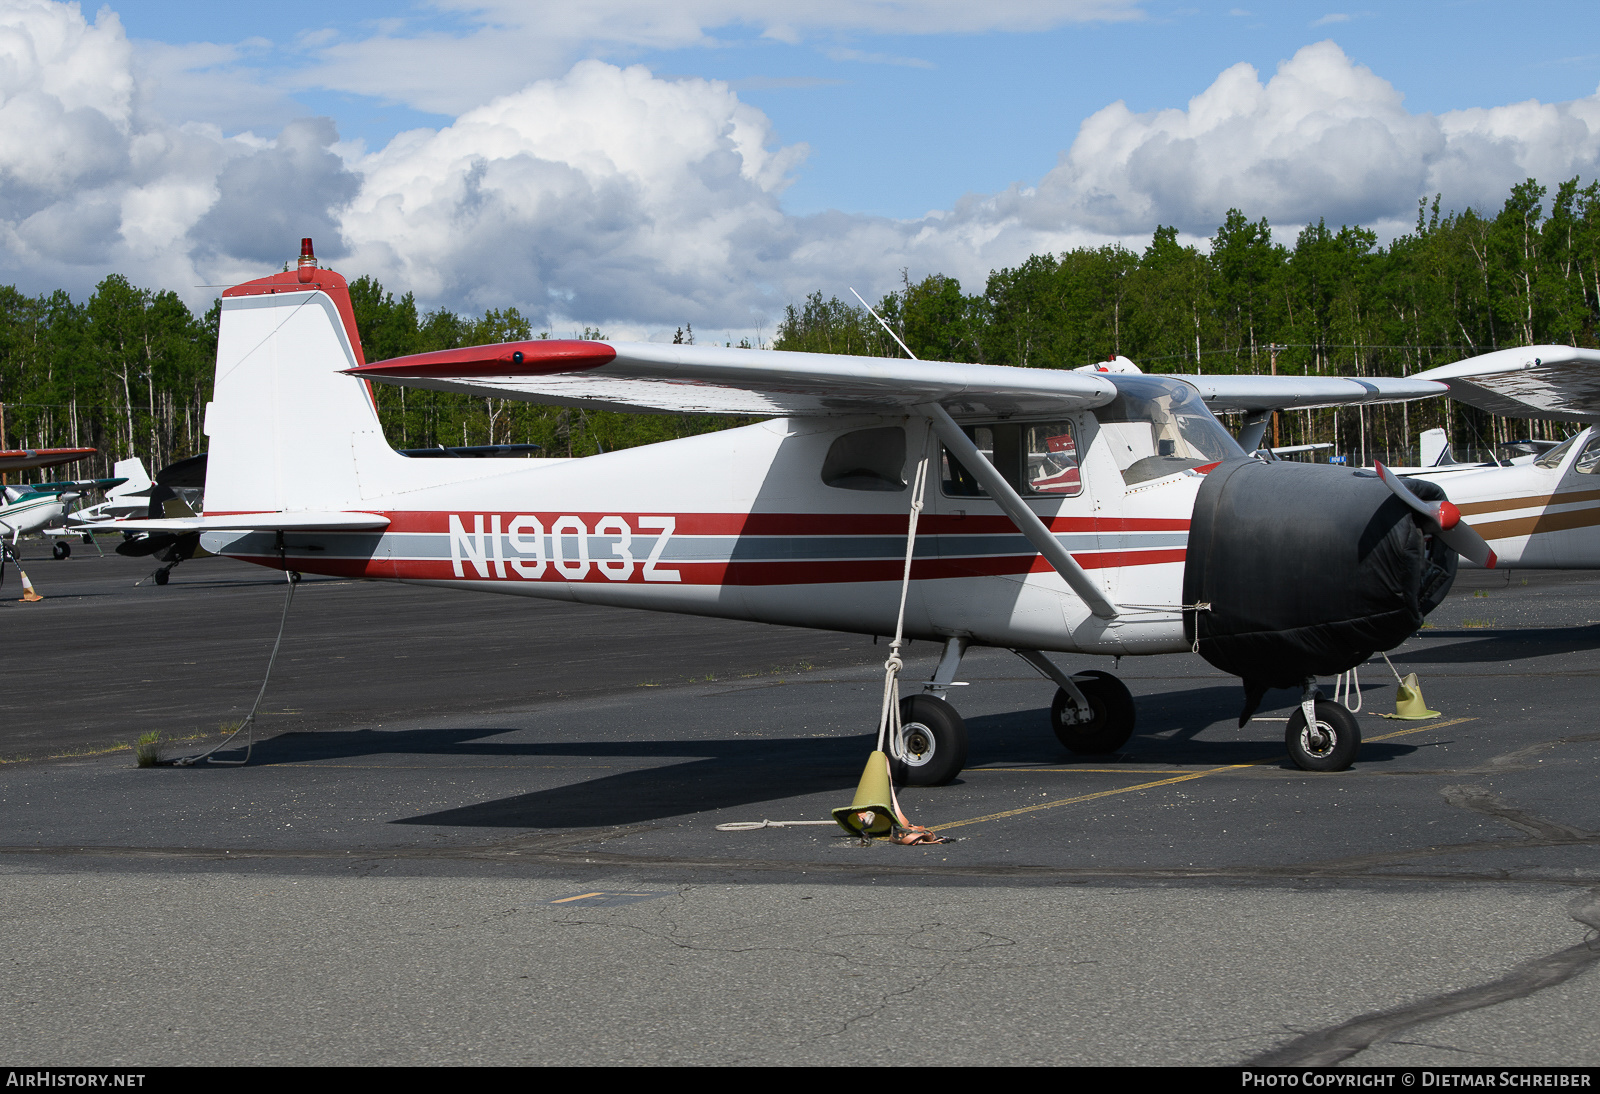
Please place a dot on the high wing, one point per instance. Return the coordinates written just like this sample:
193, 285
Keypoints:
25, 459
271, 522
1557, 383
1254, 394
651, 377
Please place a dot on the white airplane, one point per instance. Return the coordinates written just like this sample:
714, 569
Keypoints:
129, 498
1069, 512
1538, 510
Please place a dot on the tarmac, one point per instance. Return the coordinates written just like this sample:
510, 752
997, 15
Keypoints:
481, 829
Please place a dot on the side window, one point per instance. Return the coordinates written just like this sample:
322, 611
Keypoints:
958, 482
867, 459
1037, 458
1052, 455
1552, 459
1589, 459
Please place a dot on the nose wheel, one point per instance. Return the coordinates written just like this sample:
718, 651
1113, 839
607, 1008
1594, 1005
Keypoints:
1328, 745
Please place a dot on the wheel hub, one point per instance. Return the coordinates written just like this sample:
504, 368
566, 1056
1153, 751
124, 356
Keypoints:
1318, 740
916, 744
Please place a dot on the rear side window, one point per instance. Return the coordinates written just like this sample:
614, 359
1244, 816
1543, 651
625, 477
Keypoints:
867, 459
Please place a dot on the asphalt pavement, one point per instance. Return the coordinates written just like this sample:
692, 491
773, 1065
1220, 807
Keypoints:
480, 829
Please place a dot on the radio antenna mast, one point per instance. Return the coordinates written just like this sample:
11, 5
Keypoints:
885, 326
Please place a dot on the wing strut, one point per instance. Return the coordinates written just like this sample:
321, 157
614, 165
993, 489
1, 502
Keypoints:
1027, 522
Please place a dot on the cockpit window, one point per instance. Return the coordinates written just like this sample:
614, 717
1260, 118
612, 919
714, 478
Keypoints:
1588, 462
1052, 459
1038, 459
1156, 426
1552, 459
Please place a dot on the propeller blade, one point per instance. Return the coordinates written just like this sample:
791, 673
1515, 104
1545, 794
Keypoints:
1446, 520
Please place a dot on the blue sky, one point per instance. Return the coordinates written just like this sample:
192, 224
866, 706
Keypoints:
483, 153
900, 124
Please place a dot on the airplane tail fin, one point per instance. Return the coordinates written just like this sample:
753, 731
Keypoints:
288, 432
138, 478
1435, 448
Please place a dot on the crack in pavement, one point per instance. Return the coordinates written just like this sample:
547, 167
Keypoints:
1480, 799
1338, 1043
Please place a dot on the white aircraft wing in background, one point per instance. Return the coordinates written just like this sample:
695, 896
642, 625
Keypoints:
1256, 394
1557, 383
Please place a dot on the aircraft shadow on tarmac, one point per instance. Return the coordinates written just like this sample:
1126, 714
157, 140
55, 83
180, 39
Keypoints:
708, 774
1509, 644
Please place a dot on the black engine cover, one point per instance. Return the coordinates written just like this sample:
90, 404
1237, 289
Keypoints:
1308, 569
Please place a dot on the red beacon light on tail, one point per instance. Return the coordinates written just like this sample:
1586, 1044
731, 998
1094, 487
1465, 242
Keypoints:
308, 261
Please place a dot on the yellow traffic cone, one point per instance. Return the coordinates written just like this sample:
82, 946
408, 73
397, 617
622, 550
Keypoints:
28, 595
1408, 702
872, 813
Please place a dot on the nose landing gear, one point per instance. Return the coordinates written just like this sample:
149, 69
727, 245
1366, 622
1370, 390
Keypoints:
1327, 743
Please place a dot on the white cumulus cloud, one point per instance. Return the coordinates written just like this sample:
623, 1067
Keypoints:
1324, 137
611, 196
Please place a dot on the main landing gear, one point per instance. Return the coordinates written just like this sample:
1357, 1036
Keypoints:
1092, 715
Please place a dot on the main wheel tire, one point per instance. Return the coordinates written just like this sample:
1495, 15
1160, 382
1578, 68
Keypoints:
934, 743
1112, 705
161, 577
62, 549
1330, 745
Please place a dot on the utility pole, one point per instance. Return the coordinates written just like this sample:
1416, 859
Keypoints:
1273, 348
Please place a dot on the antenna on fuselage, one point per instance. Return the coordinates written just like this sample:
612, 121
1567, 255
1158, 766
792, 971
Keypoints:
886, 326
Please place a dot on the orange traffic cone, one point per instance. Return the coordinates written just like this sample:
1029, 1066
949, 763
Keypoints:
28, 595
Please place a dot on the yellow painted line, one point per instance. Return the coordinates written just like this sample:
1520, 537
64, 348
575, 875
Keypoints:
1066, 770
580, 896
1419, 729
1159, 782
1088, 797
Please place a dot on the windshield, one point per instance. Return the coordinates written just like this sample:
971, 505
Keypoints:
1157, 426
1552, 459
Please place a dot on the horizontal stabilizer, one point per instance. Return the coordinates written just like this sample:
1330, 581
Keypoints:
1258, 393
652, 377
254, 522
1557, 383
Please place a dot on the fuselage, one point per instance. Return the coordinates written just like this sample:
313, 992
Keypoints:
1540, 514
745, 524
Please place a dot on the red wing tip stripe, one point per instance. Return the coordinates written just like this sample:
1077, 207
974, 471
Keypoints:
536, 358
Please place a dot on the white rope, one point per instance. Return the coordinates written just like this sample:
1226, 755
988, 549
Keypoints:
750, 826
1392, 669
249, 719
889, 712
1349, 685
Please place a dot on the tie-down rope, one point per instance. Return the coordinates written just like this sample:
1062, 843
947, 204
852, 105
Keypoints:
249, 719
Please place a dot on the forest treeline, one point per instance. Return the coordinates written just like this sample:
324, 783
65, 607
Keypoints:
129, 371
1333, 303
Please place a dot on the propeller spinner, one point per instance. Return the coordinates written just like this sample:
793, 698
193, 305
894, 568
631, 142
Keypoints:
1446, 521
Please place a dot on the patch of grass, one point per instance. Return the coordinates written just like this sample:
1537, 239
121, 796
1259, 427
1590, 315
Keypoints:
226, 728
1427, 626
1477, 624
147, 750
1481, 594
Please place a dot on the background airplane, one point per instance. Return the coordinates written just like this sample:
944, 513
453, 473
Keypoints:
1540, 509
